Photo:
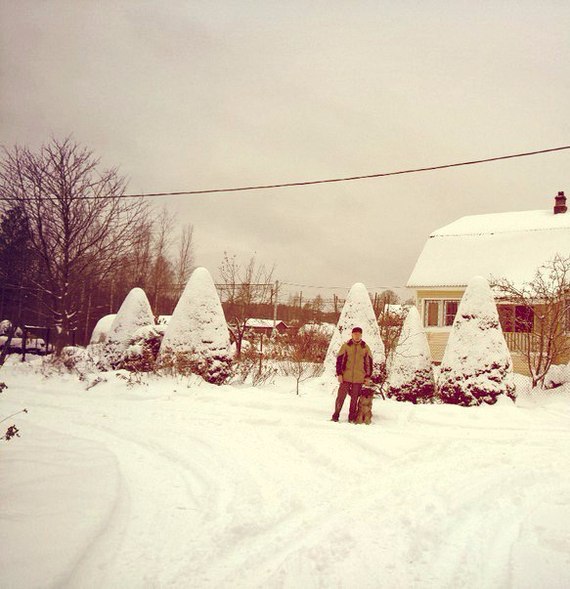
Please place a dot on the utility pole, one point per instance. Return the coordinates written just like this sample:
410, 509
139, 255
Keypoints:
275, 307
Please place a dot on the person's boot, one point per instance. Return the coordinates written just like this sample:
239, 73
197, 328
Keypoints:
334, 417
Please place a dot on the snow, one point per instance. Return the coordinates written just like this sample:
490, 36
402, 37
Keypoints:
476, 364
518, 221
263, 323
178, 483
511, 245
33, 344
197, 331
134, 312
410, 369
326, 329
356, 312
102, 329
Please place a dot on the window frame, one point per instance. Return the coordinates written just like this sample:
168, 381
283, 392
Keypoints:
442, 314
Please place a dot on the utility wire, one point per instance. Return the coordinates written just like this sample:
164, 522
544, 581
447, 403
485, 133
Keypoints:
336, 287
313, 182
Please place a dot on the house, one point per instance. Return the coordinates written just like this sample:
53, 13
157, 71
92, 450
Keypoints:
510, 245
265, 326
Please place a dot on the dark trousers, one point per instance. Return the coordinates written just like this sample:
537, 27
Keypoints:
347, 388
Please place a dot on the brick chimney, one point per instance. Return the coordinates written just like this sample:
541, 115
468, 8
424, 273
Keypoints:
560, 203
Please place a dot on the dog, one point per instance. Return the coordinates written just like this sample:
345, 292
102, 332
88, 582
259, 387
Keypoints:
364, 411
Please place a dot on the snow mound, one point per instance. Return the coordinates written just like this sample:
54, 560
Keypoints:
197, 338
135, 312
411, 376
357, 312
102, 329
477, 364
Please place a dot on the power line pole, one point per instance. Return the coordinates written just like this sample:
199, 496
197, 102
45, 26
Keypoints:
275, 307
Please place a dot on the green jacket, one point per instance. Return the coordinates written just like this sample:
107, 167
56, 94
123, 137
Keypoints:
354, 362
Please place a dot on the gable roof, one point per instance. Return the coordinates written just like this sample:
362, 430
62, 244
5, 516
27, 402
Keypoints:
511, 245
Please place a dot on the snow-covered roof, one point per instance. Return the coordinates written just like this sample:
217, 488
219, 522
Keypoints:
268, 323
510, 245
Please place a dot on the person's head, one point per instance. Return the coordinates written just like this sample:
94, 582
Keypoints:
356, 334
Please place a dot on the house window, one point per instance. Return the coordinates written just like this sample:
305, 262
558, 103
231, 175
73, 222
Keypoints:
450, 312
432, 314
440, 313
516, 318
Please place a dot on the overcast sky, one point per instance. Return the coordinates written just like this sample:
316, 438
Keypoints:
186, 94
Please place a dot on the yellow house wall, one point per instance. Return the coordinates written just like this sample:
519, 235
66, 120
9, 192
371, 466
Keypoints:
437, 337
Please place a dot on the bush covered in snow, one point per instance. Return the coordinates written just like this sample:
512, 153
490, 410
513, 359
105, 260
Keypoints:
142, 351
135, 312
102, 329
357, 312
76, 360
477, 364
411, 377
5, 326
197, 339
558, 375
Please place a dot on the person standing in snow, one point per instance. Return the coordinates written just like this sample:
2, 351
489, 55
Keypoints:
353, 369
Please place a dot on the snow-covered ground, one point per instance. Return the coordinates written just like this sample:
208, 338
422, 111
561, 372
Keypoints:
178, 483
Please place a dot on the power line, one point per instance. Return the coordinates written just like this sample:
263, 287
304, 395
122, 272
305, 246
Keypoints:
314, 182
337, 287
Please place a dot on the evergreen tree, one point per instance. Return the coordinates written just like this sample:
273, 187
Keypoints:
477, 365
197, 337
357, 312
411, 376
135, 312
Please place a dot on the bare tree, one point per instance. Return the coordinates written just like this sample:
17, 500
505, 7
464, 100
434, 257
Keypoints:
184, 261
244, 288
544, 326
305, 354
78, 223
161, 275
390, 319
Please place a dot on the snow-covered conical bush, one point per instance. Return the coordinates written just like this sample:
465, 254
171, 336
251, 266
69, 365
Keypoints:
102, 329
477, 365
135, 312
142, 351
357, 312
410, 376
197, 339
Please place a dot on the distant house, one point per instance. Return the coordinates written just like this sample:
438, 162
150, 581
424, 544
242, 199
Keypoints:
265, 326
510, 245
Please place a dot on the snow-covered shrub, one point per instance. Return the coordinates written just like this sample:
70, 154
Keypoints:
477, 364
135, 312
142, 351
197, 339
410, 376
357, 312
5, 326
77, 360
557, 375
102, 329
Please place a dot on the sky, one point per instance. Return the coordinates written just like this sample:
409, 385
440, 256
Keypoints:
185, 95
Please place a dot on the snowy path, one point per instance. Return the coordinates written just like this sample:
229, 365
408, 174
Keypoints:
169, 486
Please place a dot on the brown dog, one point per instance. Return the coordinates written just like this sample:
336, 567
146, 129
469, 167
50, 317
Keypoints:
364, 412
